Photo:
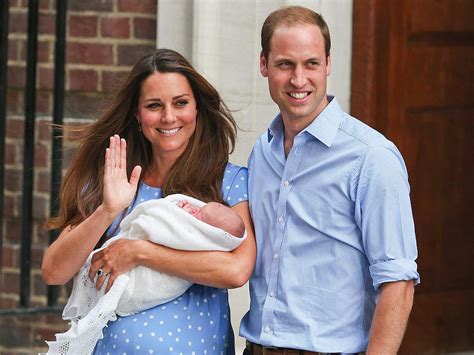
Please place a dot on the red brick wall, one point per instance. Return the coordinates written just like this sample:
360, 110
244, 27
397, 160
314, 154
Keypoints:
104, 38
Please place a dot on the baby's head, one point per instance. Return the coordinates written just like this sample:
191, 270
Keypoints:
217, 215
223, 217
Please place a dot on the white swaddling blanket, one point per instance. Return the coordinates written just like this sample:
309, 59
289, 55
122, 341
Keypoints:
160, 221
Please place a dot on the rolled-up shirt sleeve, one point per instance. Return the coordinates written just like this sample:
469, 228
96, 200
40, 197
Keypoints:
384, 215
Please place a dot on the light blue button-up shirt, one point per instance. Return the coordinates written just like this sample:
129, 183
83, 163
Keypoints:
333, 221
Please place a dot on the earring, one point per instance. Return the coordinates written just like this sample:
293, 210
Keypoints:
139, 125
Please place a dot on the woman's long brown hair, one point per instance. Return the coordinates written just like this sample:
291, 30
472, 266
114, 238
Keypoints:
198, 172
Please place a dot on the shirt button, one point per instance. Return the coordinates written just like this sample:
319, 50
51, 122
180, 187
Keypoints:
267, 329
275, 256
272, 294
281, 219
286, 183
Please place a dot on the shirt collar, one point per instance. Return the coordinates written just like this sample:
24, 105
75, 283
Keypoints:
324, 127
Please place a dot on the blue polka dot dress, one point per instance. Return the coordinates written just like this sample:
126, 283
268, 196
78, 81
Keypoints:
197, 322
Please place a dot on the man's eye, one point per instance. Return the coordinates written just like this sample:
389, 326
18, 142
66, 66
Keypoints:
284, 64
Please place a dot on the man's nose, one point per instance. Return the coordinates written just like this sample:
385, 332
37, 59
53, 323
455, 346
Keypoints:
298, 78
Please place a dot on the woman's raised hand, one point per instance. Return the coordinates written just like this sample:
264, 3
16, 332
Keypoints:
118, 190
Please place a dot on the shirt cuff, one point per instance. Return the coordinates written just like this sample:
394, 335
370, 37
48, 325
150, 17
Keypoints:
394, 270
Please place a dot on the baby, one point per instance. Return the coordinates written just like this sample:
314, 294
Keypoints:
217, 215
176, 221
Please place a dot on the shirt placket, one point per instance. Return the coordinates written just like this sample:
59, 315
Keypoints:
280, 228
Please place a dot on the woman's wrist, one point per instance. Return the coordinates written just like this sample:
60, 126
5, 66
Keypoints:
106, 214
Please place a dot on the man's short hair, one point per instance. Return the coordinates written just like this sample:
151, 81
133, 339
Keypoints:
290, 16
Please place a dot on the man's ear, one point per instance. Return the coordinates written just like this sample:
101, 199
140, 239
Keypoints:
263, 65
328, 65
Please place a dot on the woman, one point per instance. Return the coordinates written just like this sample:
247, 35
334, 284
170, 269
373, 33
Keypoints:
177, 137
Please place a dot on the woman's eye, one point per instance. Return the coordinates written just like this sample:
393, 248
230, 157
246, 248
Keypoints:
181, 103
154, 105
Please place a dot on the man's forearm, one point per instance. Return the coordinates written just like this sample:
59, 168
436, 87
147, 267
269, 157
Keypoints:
391, 317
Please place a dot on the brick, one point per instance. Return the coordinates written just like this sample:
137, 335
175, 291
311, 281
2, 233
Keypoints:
40, 207
16, 76
42, 156
44, 52
17, 22
89, 53
143, 6
83, 80
7, 303
13, 49
91, 5
81, 105
43, 182
11, 255
44, 102
83, 26
129, 54
9, 208
37, 253
13, 230
11, 156
45, 4
11, 282
45, 78
46, 24
44, 130
112, 80
13, 179
15, 128
15, 101
144, 28
115, 27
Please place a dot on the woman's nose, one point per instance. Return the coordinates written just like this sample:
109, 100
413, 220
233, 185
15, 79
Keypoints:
168, 115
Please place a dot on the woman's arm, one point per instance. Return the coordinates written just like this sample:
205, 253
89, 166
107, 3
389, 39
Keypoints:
63, 259
213, 268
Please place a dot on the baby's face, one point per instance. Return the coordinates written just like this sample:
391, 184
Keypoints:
191, 209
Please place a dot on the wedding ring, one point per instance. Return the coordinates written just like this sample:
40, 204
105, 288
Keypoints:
100, 272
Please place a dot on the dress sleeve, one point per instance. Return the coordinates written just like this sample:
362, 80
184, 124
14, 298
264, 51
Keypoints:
234, 185
384, 215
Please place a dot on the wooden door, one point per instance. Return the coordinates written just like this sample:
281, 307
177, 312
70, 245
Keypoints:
413, 80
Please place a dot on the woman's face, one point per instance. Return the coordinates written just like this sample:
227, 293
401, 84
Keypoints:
167, 112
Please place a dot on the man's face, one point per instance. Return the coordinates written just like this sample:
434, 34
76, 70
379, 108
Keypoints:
297, 70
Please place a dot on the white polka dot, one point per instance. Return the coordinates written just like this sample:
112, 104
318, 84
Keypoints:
190, 326
134, 319
213, 348
151, 317
227, 187
115, 336
156, 194
185, 308
197, 303
150, 351
171, 348
190, 293
211, 322
144, 312
228, 171
140, 335
199, 328
240, 199
141, 200
208, 314
214, 336
148, 187
114, 346
205, 351
124, 331
188, 317
213, 295
163, 307
152, 334
236, 186
137, 347
189, 343
228, 198
202, 340
180, 298
245, 195
160, 339
145, 324
201, 314
178, 330
127, 340
225, 316
162, 322
170, 333
175, 302
205, 300
175, 316
177, 340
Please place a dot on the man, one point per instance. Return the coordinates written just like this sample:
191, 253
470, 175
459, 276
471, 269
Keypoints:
329, 197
